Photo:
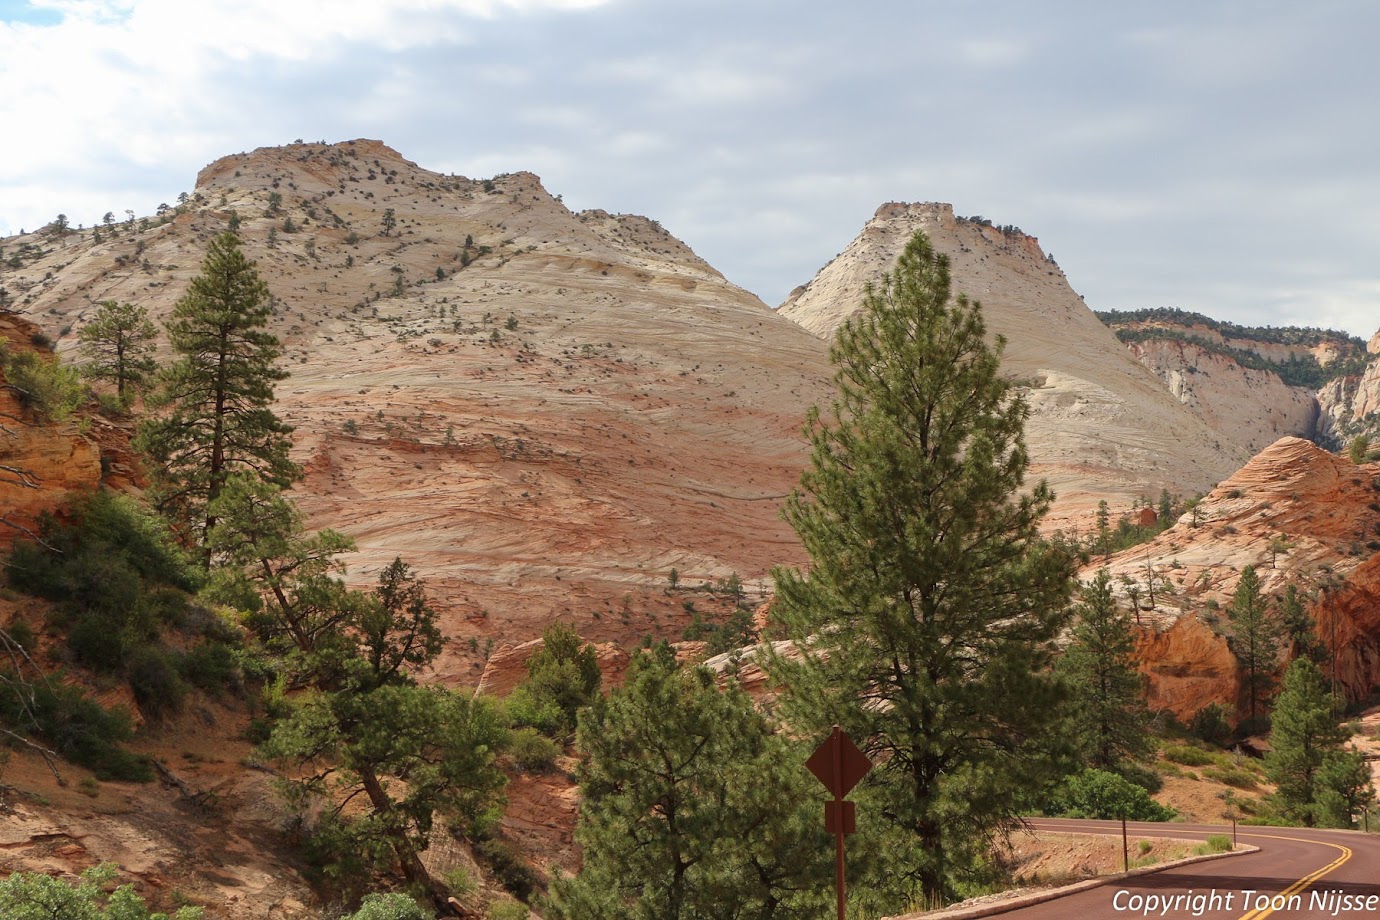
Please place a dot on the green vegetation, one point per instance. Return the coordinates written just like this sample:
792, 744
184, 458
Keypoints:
1108, 721
398, 755
1216, 843
1102, 794
927, 620
216, 397
120, 584
48, 390
1317, 781
691, 807
390, 906
562, 678
1297, 370
1304, 336
118, 345
1254, 640
36, 896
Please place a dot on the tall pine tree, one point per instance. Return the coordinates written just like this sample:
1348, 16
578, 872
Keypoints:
692, 808
217, 397
1254, 641
1108, 716
1316, 780
926, 623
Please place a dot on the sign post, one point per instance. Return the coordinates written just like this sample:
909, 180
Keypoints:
838, 764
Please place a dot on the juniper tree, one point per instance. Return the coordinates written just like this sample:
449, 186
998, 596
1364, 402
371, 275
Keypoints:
1107, 714
926, 623
118, 344
216, 399
378, 757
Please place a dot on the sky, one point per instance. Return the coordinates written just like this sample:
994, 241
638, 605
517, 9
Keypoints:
1209, 155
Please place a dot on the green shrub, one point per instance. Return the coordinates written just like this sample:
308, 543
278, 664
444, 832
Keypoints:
532, 752
1142, 776
211, 666
1217, 843
48, 391
95, 645
1210, 724
508, 910
155, 678
512, 873
391, 906
1103, 795
77, 727
1188, 756
37, 896
1232, 776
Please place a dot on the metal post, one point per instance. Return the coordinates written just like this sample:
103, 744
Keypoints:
1233, 832
1125, 848
839, 880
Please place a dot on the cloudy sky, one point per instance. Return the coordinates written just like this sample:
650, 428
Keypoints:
1216, 156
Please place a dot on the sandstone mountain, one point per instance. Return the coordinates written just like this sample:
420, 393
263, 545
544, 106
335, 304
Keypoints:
1101, 426
545, 412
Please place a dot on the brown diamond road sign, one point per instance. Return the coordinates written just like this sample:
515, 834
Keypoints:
838, 763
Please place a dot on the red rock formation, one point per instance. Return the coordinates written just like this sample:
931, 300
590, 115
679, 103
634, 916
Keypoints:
1300, 516
40, 464
1187, 666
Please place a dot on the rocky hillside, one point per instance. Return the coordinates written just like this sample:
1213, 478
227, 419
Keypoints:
1101, 426
40, 462
1301, 516
543, 411
1256, 383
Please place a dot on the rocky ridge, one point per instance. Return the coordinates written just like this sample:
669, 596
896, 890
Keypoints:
1300, 516
1101, 425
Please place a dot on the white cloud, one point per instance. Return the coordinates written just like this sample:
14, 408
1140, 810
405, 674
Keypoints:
164, 82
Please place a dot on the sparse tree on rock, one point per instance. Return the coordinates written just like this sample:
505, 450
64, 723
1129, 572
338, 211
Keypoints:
216, 399
927, 620
1254, 640
118, 344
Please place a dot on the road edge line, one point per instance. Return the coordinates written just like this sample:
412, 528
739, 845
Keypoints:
1052, 894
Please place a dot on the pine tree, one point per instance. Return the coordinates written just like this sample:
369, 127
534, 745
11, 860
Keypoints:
217, 396
369, 733
1316, 780
691, 807
926, 624
118, 346
1108, 717
1254, 640
563, 677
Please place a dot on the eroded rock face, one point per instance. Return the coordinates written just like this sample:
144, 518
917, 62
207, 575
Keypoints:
1351, 405
1300, 516
40, 464
1245, 406
1101, 425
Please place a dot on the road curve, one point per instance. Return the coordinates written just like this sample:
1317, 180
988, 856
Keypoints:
1299, 874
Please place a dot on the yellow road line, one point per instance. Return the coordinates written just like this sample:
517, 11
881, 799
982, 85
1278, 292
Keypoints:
1301, 884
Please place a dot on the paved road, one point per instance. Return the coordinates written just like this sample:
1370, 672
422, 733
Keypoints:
1297, 875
